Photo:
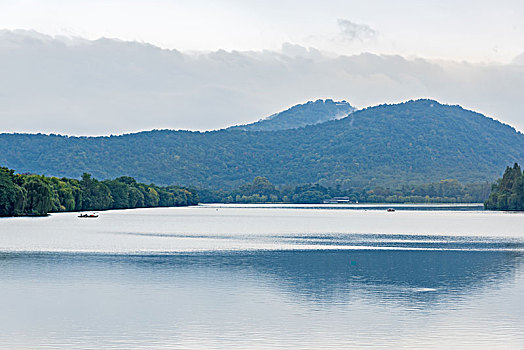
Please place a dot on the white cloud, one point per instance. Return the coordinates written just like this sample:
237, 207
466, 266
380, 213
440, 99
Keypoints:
440, 29
82, 87
350, 31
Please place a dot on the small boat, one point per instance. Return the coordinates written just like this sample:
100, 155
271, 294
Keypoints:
390, 209
94, 215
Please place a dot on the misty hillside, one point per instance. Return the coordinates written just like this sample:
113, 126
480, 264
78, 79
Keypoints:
417, 142
309, 113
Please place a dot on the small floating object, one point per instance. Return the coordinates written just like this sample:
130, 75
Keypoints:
424, 290
390, 209
94, 215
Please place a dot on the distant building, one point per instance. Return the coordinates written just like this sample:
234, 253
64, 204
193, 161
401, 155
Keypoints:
336, 200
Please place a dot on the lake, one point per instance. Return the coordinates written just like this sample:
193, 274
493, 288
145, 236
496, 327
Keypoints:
264, 277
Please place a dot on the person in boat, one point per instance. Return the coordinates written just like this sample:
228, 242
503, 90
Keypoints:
94, 215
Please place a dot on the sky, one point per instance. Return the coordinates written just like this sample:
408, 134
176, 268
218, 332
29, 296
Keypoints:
203, 64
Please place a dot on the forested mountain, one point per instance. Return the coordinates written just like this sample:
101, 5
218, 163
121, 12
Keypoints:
309, 113
413, 142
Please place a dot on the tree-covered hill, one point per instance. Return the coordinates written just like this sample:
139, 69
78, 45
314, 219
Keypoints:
309, 113
413, 142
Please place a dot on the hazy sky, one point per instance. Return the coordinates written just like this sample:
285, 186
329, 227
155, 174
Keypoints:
277, 53
472, 30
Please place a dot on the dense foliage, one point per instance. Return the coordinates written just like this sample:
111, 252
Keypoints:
310, 113
410, 143
38, 195
263, 191
508, 192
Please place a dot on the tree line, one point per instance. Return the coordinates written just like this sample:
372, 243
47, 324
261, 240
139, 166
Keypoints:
261, 190
28, 194
508, 192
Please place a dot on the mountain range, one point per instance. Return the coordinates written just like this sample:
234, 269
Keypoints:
412, 142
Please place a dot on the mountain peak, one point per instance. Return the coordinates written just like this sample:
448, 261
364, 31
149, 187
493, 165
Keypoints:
309, 113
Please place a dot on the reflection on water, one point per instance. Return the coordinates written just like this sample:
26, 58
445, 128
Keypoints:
407, 276
267, 299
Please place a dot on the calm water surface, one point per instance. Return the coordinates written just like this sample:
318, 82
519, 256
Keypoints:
232, 277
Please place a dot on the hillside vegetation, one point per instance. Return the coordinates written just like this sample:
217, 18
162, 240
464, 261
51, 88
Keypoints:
413, 142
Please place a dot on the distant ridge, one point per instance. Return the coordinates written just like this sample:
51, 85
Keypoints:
412, 142
310, 113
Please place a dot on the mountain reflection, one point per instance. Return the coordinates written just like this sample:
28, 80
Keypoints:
321, 276
404, 276
401, 275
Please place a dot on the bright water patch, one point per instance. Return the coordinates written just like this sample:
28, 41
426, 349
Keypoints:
414, 242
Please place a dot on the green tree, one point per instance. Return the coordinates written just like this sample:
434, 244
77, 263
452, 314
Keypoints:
310, 197
12, 196
119, 193
96, 195
39, 195
508, 192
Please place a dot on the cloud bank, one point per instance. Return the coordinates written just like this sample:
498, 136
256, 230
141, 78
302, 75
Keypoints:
80, 87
